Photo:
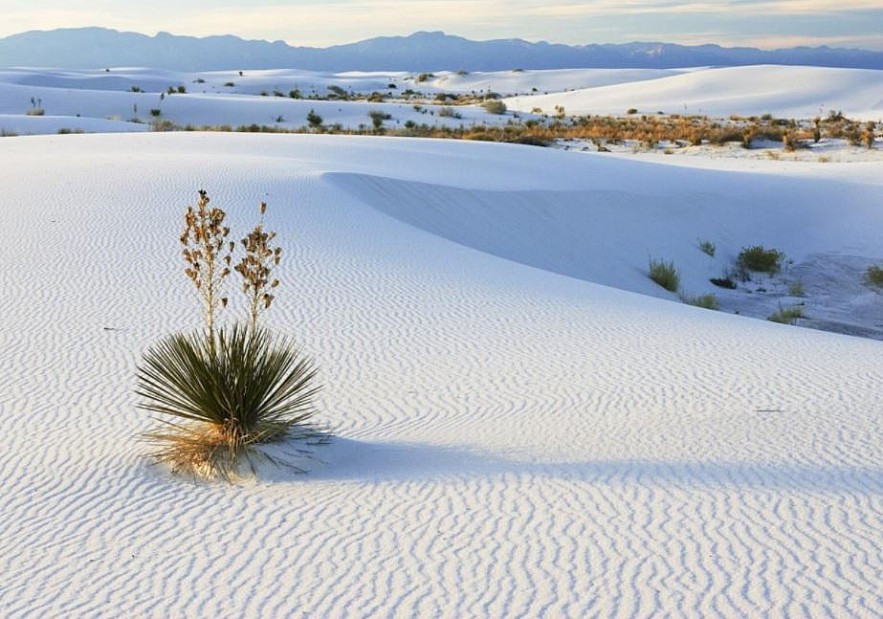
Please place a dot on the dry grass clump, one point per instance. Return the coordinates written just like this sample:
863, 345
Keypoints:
705, 301
222, 393
665, 274
759, 258
787, 315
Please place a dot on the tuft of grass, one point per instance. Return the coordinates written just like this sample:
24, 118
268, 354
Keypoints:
874, 275
795, 289
706, 301
759, 258
787, 315
707, 247
665, 274
221, 398
36, 111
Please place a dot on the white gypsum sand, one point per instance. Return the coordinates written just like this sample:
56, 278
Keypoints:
512, 438
103, 100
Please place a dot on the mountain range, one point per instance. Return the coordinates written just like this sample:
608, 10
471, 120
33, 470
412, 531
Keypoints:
421, 51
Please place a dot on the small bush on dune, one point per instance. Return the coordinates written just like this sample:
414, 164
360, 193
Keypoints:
228, 394
874, 275
493, 106
221, 393
758, 258
665, 274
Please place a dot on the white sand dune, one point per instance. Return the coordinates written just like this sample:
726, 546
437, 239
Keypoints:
789, 92
102, 100
512, 438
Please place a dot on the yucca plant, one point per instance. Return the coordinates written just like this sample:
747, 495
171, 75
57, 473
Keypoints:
222, 393
246, 390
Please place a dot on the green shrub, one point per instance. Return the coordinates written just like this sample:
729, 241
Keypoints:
377, 118
787, 315
228, 394
874, 275
665, 274
758, 258
314, 119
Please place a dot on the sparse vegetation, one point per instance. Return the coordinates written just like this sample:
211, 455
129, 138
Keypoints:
706, 301
228, 390
665, 274
760, 259
377, 117
494, 106
314, 119
874, 275
448, 112
795, 289
36, 108
787, 315
707, 247
723, 282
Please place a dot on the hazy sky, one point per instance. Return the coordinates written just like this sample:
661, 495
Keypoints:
757, 23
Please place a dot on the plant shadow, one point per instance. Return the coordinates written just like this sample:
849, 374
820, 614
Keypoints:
348, 460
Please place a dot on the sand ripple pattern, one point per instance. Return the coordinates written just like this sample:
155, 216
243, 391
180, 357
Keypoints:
511, 442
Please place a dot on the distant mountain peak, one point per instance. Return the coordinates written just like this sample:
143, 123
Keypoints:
95, 47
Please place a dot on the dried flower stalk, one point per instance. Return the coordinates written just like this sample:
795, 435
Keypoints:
256, 268
208, 255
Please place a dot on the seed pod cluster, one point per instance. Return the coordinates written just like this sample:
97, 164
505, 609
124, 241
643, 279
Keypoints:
256, 268
207, 253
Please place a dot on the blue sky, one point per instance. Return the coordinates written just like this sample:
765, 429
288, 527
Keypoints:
756, 23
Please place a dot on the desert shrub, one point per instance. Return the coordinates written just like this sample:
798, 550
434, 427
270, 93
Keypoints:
424, 76
795, 289
787, 315
36, 111
68, 131
377, 118
228, 395
448, 112
494, 106
706, 301
874, 275
758, 258
314, 119
665, 274
155, 112
228, 391
229, 84
707, 247
723, 282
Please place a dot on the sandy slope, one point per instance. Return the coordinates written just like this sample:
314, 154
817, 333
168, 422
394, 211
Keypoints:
787, 92
511, 441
